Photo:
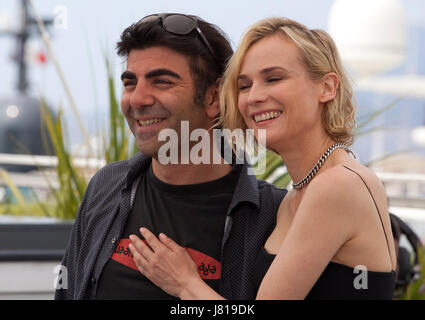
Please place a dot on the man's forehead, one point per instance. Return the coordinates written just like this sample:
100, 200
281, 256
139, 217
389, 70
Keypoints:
157, 57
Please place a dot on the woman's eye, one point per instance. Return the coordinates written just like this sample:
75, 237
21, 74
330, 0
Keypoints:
242, 87
274, 79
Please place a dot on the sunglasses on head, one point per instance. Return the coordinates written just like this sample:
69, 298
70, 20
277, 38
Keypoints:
179, 24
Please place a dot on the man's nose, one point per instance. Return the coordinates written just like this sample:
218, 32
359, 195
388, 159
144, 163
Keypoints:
142, 96
257, 95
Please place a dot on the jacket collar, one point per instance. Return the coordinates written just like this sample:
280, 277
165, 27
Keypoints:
135, 166
246, 189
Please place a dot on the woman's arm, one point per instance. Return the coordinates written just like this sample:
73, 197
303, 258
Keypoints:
324, 221
169, 267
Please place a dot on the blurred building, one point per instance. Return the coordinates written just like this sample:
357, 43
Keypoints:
385, 56
22, 130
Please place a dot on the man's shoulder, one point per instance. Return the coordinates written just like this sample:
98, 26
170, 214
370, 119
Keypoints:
119, 169
267, 188
110, 168
111, 172
258, 191
270, 195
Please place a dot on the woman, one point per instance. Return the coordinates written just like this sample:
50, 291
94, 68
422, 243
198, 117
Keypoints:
333, 236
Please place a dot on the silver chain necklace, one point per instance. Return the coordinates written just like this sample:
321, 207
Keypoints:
319, 163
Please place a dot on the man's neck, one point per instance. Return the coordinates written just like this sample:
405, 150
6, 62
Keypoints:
183, 174
208, 169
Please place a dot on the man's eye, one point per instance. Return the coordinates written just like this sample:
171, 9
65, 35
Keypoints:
128, 83
162, 81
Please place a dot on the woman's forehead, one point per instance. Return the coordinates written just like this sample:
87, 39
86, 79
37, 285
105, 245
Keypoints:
274, 50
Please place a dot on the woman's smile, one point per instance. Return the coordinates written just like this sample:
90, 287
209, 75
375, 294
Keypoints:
265, 117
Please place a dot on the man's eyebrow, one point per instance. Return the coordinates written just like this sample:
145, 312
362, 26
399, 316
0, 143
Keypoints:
162, 72
128, 75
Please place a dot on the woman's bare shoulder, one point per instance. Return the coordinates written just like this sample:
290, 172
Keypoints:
349, 187
332, 182
346, 178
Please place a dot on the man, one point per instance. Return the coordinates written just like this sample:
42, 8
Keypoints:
218, 212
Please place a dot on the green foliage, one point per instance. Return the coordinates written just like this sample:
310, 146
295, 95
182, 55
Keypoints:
365, 119
71, 185
13, 188
416, 290
117, 147
273, 162
34, 209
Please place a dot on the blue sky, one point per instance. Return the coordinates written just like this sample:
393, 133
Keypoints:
94, 27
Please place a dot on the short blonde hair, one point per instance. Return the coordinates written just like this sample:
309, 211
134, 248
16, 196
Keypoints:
319, 56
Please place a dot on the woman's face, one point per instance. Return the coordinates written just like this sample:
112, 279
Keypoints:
276, 93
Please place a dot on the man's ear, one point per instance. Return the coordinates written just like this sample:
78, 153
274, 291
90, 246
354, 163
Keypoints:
330, 84
212, 100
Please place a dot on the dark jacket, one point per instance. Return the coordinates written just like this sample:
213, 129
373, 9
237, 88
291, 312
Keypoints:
107, 203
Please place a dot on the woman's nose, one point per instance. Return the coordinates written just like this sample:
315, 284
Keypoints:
257, 95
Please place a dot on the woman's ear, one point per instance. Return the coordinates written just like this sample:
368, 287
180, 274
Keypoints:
330, 84
212, 100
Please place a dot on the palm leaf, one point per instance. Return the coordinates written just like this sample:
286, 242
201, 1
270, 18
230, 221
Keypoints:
365, 119
13, 188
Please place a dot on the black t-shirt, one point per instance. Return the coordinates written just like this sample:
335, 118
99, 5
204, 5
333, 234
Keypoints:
192, 215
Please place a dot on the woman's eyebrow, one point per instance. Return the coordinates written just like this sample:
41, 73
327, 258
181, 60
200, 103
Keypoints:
265, 71
273, 68
242, 77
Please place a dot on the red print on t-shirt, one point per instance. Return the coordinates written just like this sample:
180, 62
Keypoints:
208, 267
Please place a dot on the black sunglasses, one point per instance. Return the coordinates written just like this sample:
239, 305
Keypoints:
179, 24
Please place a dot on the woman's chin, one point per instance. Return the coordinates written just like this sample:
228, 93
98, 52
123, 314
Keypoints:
273, 143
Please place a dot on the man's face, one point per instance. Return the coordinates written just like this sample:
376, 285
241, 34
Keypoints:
159, 94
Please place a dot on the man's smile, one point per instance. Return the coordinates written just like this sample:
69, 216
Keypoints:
147, 125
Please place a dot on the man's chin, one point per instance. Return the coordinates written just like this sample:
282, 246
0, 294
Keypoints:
150, 152
149, 149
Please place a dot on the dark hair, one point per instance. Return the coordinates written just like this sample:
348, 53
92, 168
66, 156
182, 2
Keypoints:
204, 67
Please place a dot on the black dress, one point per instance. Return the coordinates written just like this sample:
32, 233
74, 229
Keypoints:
338, 281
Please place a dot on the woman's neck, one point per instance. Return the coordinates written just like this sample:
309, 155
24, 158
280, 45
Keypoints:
302, 157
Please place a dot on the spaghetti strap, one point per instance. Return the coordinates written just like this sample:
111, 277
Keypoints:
382, 224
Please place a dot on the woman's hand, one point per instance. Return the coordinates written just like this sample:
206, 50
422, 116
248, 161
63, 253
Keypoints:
164, 262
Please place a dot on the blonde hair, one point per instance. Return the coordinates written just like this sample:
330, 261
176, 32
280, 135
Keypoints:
319, 56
